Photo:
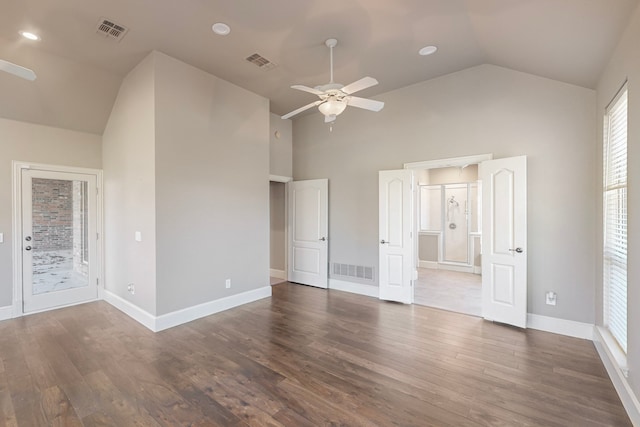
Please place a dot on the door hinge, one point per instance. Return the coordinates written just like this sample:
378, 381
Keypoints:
97, 236
97, 281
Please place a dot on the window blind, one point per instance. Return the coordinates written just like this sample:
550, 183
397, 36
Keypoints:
615, 218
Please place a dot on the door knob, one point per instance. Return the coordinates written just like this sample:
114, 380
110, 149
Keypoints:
28, 238
322, 239
27, 248
518, 250
384, 242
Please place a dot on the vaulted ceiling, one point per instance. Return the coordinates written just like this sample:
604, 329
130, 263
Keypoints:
79, 71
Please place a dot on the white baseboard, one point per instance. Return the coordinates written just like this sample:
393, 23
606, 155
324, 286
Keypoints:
560, 326
618, 377
185, 315
136, 313
278, 274
428, 264
451, 267
6, 312
354, 288
461, 268
178, 317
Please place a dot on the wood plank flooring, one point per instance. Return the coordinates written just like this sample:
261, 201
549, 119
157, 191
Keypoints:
306, 357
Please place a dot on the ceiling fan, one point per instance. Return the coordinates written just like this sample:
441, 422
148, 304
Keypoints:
17, 70
335, 97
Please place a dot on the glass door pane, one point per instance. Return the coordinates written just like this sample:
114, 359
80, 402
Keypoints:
456, 232
58, 238
59, 233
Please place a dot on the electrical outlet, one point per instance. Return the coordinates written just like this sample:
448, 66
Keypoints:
131, 288
551, 298
227, 283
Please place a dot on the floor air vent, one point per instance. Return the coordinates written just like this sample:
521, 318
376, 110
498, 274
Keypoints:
357, 271
111, 30
260, 61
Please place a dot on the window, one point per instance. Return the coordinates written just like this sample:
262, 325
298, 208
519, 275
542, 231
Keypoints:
615, 218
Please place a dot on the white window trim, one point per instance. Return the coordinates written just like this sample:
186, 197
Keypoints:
611, 342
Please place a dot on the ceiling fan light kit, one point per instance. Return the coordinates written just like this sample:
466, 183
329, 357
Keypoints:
332, 107
334, 97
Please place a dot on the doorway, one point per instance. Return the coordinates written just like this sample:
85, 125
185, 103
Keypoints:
277, 232
504, 234
56, 237
449, 232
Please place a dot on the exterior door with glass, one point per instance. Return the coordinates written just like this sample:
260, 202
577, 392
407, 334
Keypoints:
59, 234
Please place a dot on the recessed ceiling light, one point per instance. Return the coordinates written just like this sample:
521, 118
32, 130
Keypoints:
427, 50
30, 36
221, 29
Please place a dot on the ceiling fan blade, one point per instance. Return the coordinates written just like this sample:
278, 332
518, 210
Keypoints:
17, 70
359, 85
301, 109
330, 118
367, 104
307, 89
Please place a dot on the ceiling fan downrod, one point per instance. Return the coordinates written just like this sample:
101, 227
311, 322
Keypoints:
331, 43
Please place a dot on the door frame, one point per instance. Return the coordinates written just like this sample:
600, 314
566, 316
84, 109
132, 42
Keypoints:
16, 213
284, 180
437, 164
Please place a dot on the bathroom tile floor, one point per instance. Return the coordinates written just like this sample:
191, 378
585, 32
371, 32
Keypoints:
449, 290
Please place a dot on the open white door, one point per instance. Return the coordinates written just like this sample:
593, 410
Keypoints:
395, 237
504, 240
308, 231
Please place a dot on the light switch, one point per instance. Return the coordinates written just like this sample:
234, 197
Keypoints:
138, 236
1, 237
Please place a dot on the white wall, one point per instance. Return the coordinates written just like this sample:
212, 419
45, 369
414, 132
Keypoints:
280, 146
38, 144
485, 109
624, 65
212, 186
129, 189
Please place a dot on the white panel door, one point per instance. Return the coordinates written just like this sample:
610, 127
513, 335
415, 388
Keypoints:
504, 240
59, 253
308, 231
395, 235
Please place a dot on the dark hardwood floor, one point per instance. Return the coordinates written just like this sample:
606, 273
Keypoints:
306, 357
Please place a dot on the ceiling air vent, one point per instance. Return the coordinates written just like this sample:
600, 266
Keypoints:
262, 62
111, 30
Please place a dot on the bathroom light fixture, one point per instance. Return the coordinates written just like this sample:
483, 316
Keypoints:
221, 28
29, 35
427, 50
332, 107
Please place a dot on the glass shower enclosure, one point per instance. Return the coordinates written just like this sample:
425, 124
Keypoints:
451, 211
